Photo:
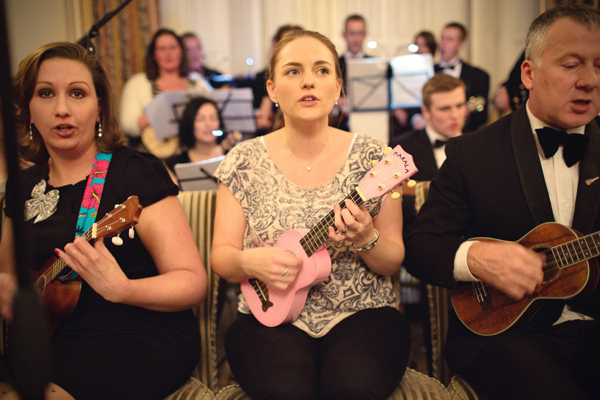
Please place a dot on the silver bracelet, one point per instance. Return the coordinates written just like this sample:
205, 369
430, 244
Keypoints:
368, 245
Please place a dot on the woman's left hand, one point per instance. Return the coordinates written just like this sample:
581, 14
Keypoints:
353, 224
97, 266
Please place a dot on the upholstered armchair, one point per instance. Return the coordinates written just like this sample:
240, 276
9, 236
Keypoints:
439, 305
199, 207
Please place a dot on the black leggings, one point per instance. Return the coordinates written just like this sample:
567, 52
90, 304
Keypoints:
362, 357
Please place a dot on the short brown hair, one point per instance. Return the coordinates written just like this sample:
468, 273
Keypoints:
460, 27
152, 66
355, 17
299, 34
24, 85
440, 83
536, 36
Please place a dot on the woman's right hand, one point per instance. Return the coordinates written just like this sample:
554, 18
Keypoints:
274, 266
8, 289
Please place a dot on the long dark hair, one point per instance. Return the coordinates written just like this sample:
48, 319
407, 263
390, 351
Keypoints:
152, 66
186, 123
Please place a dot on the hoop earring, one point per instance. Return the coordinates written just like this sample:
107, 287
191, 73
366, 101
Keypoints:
99, 129
30, 133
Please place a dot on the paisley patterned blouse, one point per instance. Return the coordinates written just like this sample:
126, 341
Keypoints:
272, 205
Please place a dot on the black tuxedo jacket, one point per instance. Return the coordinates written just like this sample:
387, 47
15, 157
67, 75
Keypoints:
477, 83
417, 144
492, 185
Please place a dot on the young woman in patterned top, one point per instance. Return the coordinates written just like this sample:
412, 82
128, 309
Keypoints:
349, 341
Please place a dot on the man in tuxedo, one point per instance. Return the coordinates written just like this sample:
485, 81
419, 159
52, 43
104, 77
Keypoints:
503, 181
198, 70
355, 32
476, 80
444, 109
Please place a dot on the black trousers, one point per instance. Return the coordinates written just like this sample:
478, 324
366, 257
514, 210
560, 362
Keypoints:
560, 363
362, 357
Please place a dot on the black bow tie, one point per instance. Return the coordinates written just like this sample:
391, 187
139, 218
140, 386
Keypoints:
439, 143
574, 145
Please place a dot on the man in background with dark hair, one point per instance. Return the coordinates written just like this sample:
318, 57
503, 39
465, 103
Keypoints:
476, 80
355, 32
539, 164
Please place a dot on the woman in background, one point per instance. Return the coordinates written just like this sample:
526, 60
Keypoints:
131, 334
166, 69
349, 342
426, 43
201, 133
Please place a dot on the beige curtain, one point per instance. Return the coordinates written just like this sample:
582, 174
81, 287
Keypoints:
121, 43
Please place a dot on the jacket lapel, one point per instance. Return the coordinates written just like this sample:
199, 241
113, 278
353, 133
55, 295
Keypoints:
530, 169
588, 190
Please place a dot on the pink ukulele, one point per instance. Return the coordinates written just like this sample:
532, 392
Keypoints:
272, 306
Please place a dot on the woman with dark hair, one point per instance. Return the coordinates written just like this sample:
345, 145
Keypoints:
166, 69
131, 334
200, 133
426, 43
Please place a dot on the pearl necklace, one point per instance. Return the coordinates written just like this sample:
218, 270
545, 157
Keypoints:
316, 160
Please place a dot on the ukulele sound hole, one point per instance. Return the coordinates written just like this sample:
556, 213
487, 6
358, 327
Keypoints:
262, 292
550, 268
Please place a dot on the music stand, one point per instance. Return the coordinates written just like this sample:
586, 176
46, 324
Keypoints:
198, 175
165, 109
369, 95
368, 88
409, 75
236, 109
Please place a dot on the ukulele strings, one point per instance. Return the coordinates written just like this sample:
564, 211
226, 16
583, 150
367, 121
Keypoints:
59, 265
310, 243
553, 264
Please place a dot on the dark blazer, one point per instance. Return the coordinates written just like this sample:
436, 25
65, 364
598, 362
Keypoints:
492, 185
417, 144
477, 83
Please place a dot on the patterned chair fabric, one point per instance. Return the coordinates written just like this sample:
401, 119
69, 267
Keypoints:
414, 386
199, 207
439, 305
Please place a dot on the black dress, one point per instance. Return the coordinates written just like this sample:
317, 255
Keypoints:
106, 350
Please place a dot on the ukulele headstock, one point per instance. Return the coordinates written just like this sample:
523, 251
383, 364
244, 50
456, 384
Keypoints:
396, 167
122, 217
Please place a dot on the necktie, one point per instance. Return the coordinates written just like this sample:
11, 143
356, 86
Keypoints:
574, 145
439, 143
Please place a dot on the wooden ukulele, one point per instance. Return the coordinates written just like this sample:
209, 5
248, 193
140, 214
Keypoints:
272, 306
60, 297
569, 271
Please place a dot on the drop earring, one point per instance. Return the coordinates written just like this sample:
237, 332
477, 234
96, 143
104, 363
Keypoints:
99, 129
30, 133
277, 105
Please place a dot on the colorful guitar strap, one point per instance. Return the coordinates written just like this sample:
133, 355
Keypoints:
91, 197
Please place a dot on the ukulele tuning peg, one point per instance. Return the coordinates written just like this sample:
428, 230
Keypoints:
131, 233
381, 187
373, 163
395, 195
117, 241
117, 205
411, 183
397, 175
387, 151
